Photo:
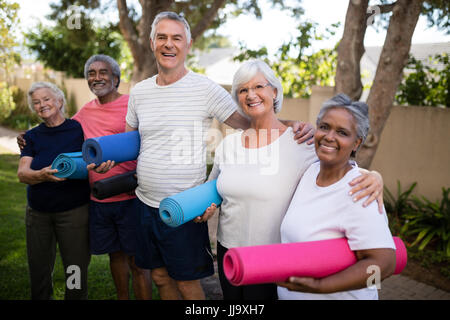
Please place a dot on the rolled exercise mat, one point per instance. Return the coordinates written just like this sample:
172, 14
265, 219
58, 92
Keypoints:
114, 185
119, 147
70, 165
189, 204
278, 262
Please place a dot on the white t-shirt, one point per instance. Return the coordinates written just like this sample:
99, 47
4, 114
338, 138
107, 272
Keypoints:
319, 213
256, 186
173, 123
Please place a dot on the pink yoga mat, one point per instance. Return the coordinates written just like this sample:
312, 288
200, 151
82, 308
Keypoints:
278, 262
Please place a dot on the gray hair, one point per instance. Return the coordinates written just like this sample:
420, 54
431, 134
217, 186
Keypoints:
115, 69
172, 16
57, 93
248, 70
359, 111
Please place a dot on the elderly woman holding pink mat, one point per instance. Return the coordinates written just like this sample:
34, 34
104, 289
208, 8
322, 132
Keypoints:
320, 209
257, 171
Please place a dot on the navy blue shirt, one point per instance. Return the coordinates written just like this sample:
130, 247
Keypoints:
44, 144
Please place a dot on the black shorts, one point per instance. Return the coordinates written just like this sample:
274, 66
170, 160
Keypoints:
185, 251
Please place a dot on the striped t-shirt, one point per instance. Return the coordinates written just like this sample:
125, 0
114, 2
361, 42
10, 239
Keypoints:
173, 123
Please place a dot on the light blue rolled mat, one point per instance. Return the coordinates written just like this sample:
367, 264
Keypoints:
119, 147
70, 165
189, 204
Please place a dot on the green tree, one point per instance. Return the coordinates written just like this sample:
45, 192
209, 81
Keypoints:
204, 16
74, 38
8, 57
298, 70
426, 85
400, 25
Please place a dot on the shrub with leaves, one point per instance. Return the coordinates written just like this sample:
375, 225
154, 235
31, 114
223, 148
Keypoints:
430, 222
426, 85
396, 206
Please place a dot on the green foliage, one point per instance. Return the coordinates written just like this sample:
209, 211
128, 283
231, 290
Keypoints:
67, 45
398, 205
52, 48
430, 258
8, 57
437, 13
419, 219
430, 222
21, 117
8, 21
300, 71
426, 85
7, 104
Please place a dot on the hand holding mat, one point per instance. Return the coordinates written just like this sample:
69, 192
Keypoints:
277, 262
189, 204
119, 147
70, 165
114, 185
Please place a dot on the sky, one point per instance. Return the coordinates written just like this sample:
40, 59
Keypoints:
275, 28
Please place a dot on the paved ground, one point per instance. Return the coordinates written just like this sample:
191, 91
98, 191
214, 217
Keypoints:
396, 287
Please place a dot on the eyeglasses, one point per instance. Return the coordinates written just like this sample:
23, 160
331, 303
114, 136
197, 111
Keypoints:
256, 89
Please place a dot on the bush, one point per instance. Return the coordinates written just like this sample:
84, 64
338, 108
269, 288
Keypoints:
420, 219
430, 221
21, 117
397, 206
7, 104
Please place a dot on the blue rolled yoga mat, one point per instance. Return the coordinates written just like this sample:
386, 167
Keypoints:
189, 204
70, 165
119, 147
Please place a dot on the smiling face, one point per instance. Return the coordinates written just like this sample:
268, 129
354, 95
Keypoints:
170, 45
256, 97
335, 137
46, 105
100, 79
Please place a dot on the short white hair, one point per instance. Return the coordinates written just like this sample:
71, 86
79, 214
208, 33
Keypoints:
57, 93
248, 70
172, 16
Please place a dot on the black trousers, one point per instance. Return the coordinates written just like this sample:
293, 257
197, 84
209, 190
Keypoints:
68, 229
248, 292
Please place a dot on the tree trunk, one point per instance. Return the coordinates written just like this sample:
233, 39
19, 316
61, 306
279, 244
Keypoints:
388, 76
138, 38
351, 49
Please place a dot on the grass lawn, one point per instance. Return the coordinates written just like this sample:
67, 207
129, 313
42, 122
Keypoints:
14, 279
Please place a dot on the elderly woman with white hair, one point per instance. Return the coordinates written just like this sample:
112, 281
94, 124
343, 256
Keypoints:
257, 171
320, 209
57, 208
